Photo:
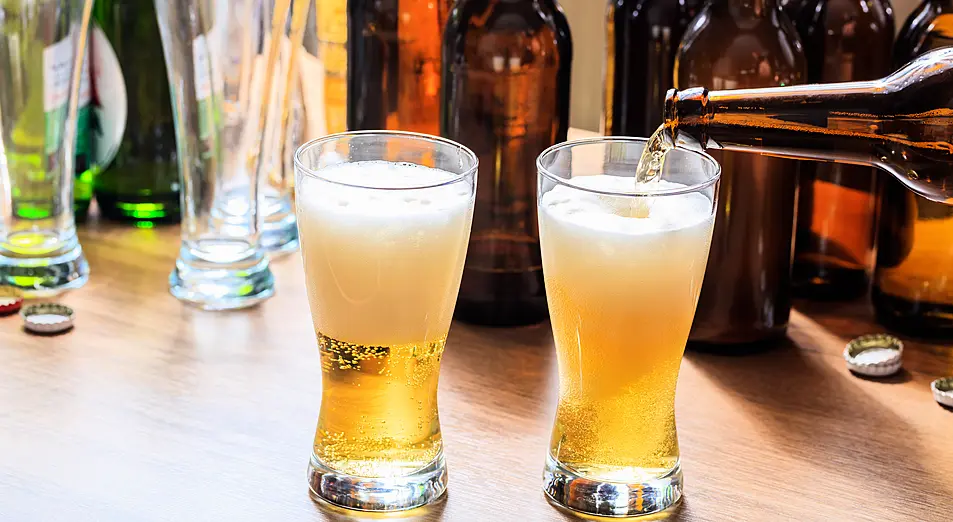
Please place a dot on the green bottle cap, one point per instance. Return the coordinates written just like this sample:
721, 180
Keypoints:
943, 391
877, 355
47, 318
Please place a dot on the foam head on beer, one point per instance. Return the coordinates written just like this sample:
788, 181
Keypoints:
384, 264
622, 289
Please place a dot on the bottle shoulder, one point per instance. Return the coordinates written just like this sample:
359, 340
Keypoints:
929, 26
726, 52
480, 31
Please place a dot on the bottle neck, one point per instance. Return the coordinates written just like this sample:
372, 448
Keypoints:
765, 119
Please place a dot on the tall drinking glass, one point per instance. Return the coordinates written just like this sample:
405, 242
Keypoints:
623, 265
40, 43
213, 51
384, 221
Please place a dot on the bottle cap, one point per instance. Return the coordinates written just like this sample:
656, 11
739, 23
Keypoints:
943, 391
10, 305
10, 300
877, 355
47, 318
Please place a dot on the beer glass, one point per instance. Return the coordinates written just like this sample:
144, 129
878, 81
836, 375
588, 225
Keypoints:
384, 220
623, 264
219, 60
40, 41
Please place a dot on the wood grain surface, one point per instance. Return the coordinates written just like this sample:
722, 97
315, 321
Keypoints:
151, 410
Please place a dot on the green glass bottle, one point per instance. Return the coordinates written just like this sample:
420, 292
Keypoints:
134, 123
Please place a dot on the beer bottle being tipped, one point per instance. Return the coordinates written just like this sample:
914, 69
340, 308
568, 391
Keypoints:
902, 124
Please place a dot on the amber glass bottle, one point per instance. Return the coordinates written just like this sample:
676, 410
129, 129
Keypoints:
642, 38
393, 67
845, 40
913, 282
506, 96
332, 48
746, 297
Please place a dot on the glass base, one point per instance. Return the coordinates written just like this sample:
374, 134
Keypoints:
279, 234
38, 277
612, 499
221, 285
424, 486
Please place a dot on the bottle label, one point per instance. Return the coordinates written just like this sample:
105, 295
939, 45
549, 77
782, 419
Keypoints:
110, 106
57, 72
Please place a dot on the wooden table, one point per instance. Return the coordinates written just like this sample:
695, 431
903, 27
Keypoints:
152, 410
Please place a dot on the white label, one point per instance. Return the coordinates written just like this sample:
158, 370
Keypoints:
111, 106
203, 76
57, 69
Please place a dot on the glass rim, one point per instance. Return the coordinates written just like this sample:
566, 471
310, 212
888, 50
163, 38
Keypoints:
696, 187
418, 136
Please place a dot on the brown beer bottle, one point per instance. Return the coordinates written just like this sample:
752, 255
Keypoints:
746, 297
332, 48
506, 96
393, 64
844, 40
642, 38
913, 281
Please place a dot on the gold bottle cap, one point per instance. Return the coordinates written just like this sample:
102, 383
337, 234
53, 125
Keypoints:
877, 355
47, 318
943, 391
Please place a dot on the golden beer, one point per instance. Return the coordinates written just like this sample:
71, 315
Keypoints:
383, 245
623, 275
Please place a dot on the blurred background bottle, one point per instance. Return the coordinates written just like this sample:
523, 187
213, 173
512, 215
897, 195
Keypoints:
133, 116
746, 298
642, 38
332, 50
393, 69
913, 281
844, 40
506, 96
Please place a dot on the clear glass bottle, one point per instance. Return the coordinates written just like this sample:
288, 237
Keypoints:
746, 298
506, 97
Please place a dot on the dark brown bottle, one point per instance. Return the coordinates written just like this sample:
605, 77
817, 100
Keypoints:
746, 297
393, 68
506, 96
845, 40
913, 282
642, 38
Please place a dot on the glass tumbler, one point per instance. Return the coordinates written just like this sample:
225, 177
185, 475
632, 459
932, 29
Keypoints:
217, 57
623, 265
41, 43
384, 221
